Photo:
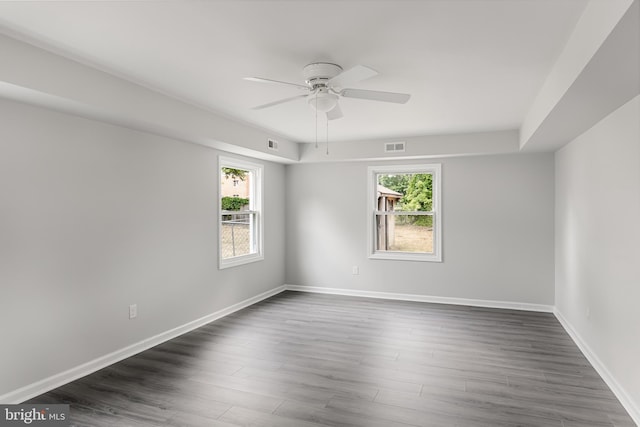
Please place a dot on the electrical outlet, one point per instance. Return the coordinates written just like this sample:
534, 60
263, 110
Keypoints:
355, 270
133, 311
588, 313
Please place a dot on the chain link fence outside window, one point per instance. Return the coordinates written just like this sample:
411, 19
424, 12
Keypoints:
236, 233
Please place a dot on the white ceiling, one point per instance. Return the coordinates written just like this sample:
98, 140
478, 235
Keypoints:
473, 65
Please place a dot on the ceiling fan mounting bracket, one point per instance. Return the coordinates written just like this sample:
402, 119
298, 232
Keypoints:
317, 74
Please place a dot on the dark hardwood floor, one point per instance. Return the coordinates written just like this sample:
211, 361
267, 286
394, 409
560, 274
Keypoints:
303, 360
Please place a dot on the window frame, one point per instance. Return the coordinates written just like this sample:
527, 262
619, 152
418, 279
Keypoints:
256, 208
435, 169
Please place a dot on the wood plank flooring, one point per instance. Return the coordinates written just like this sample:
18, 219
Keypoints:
311, 360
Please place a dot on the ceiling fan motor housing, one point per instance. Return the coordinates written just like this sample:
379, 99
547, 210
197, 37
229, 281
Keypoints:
318, 73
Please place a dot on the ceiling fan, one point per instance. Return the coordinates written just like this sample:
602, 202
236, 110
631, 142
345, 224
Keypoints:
326, 83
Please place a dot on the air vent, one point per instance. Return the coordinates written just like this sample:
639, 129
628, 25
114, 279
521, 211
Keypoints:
394, 147
272, 144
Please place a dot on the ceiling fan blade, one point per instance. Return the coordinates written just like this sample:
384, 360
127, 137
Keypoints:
278, 82
374, 95
281, 101
335, 113
351, 76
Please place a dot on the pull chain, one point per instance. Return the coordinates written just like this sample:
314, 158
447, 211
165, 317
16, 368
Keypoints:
316, 119
327, 135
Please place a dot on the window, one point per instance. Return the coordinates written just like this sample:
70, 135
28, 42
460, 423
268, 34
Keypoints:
240, 212
404, 213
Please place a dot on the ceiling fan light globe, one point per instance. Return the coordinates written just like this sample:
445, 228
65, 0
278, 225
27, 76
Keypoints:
323, 102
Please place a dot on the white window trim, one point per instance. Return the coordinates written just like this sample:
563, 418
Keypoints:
373, 171
255, 205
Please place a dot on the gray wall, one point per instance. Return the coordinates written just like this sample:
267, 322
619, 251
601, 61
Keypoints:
95, 217
597, 243
497, 231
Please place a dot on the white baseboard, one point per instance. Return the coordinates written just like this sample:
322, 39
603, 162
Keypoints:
632, 407
425, 298
57, 380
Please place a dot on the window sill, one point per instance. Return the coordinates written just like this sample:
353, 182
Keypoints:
406, 256
239, 260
